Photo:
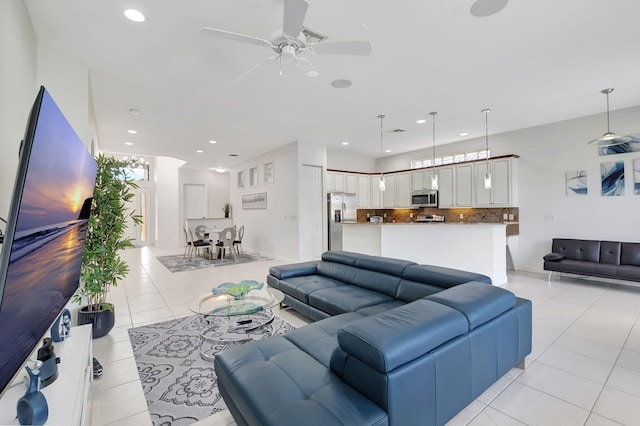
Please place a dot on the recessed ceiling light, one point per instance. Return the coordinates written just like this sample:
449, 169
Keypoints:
199, 151
220, 169
421, 121
128, 143
345, 143
134, 111
213, 142
133, 132
312, 74
387, 150
483, 8
464, 134
340, 84
134, 15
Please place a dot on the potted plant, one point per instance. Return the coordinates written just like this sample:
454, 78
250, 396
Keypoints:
102, 266
227, 210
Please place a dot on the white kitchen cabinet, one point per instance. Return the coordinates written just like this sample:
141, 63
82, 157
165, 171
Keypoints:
502, 191
446, 187
335, 182
364, 191
403, 189
351, 183
418, 179
389, 195
376, 195
464, 185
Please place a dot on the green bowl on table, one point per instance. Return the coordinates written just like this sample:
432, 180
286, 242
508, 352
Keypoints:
237, 290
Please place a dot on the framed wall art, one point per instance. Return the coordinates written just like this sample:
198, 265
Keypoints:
612, 175
254, 201
576, 182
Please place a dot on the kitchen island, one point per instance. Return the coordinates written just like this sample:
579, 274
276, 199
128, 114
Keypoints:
474, 247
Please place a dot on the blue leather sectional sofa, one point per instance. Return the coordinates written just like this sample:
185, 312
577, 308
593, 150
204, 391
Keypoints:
400, 344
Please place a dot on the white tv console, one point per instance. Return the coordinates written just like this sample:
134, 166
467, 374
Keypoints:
67, 396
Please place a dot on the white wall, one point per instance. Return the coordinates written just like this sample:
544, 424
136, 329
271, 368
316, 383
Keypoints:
167, 203
217, 185
18, 89
546, 154
274, 230
354, 163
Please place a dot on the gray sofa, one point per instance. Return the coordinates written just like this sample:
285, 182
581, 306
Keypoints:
605, 259
415, 354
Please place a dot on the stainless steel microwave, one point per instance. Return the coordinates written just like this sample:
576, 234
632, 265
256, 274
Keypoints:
424, 198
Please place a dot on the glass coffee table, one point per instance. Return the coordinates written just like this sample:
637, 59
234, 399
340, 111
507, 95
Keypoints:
225, 320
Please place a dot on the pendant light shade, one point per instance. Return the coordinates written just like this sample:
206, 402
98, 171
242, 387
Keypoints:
381, 182
609, 138
487, 175
434, 173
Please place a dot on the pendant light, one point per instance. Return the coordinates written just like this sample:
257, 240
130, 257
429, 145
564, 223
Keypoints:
434, 173
381, 182
609, 138
487, 176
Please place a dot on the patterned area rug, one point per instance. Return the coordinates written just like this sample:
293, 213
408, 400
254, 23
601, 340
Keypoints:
180, 387
178, 263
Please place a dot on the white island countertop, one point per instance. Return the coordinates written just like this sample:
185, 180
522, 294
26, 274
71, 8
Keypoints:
474, 247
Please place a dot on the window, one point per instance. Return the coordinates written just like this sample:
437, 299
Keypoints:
450, 159
253, 176
241, 179
269, 173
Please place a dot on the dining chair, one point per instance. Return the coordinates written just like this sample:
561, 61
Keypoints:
198, 244
200, 230
237, 244
225, 242
188, 244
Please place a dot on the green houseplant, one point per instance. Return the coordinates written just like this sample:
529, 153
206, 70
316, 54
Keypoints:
102, 266
227, 210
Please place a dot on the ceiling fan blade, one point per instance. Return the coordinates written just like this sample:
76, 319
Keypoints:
362, 48
217, 33
272, 58
294, 13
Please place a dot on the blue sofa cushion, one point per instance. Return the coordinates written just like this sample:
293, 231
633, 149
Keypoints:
343, 257
272, 381
393, 338
319, 338
442, 277
386, 265
380, 307
408, 291
478, 302
347, 298
376, 281
293, 270
302, 287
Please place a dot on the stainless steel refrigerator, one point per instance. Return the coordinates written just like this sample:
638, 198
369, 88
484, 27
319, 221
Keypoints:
341, 208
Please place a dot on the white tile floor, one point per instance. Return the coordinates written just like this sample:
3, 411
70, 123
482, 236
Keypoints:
584, 369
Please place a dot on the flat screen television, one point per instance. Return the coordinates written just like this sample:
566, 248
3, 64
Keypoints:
46, 227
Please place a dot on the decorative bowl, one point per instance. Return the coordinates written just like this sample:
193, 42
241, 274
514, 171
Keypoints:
237, 290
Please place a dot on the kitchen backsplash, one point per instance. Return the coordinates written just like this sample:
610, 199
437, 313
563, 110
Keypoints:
461, 215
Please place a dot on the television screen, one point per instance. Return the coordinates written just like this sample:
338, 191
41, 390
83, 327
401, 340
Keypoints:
44, 240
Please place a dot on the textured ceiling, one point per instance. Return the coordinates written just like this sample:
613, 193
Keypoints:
533, 63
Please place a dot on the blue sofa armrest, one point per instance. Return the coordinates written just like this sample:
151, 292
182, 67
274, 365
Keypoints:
294, 270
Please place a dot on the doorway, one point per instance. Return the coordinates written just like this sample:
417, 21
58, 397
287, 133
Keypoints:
139, 205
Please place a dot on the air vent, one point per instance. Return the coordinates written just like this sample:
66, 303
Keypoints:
397, 131
233, 155
313, 36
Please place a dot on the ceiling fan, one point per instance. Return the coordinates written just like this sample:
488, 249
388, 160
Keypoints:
290, 41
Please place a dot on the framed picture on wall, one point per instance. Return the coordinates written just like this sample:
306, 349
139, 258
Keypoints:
241, 179
576, 182
636, 176
269, 172
254, 201
612, 175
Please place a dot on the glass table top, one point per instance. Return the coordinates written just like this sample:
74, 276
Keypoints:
225, 305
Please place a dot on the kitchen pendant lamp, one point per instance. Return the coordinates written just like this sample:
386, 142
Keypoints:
487, 175
609, 138
381, 182
434, 173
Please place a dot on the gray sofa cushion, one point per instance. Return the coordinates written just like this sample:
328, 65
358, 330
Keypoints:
628, 272
630, 254
610, 252
553, 257
585, 250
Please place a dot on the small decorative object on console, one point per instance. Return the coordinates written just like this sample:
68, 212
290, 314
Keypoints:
239, 290
32, 408
61, 328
